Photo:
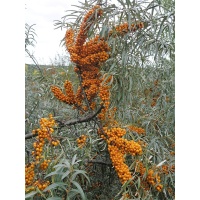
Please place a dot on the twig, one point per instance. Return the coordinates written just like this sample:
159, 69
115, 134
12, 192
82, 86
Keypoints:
99, 162
87, 118
34, 60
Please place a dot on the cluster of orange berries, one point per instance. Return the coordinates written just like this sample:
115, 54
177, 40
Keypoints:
29, 189
86, 24
118, 162
118, 147
55, 142
104, 96
29, 173
30, 184
41, 185
96, 45
115, 138
69, 40
69, 97
38, 146
104, 93
92, 59
81, 141
165, 169
151, 179
125, 28
44, 164
91, 88
58, 93
136, 129
88, 57
77, 49
44, 132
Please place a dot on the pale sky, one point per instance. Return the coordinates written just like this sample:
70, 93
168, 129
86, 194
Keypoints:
43, 13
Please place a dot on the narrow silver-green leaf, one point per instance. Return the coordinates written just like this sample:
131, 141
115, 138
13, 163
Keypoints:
79, 172
54, 198
73, 159
65, 174
55, 185
31, 194
80, 190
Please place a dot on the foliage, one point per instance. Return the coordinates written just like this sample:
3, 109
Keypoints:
139, 73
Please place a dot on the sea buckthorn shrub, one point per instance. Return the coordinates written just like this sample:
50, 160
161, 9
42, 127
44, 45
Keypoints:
88, 56
111, 109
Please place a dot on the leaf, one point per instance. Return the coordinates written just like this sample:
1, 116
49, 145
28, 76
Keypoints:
31, 194
139, 182
73, 159
72, 193
80, 172
59, 166
161, 163
161, 27
54, 185
80, 190
51, 174
130, 83
122, 3
102, 33
67, 163
65, 174
54, 198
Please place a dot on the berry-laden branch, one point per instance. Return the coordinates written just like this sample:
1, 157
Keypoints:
88, 57
44, 135
87, 118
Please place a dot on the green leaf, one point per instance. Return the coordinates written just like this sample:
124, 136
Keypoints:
80, 190
54, 185
53, 173
102, 33
31, 194
67, 163
54, 198
161, 27
65, 174
73, 159
138, 182
130, 84
80, 172
72, 193
59, 166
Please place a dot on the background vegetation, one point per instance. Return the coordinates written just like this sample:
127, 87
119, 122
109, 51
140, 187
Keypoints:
142, 66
